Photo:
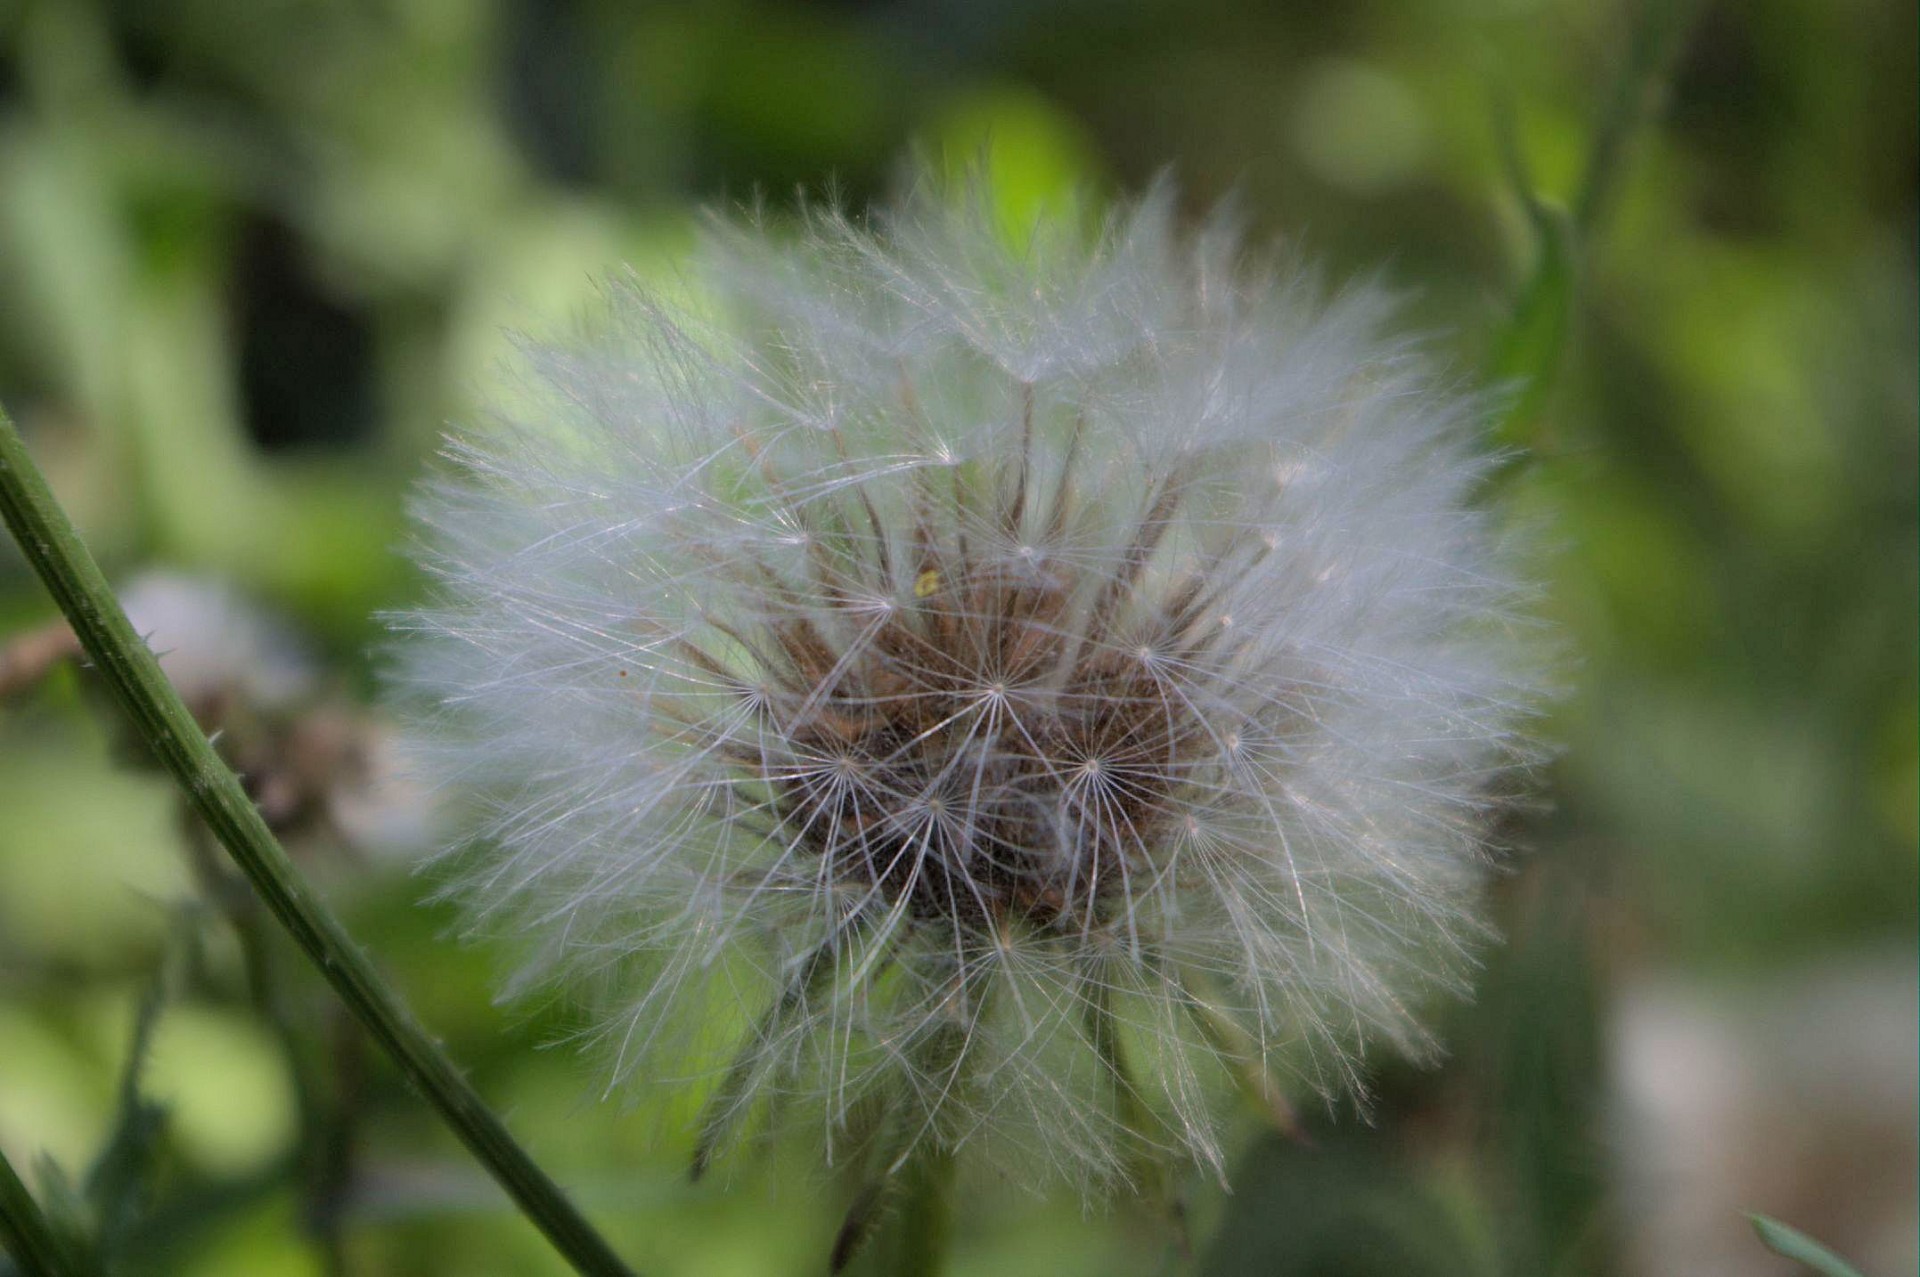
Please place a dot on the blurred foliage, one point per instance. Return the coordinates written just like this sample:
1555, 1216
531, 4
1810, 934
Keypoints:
1796, 1245
253, 255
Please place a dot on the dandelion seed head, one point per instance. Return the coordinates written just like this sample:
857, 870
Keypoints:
945, 658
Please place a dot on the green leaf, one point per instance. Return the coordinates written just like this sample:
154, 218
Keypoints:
1793, 1244
118, 1183
45, 1239
1639, 91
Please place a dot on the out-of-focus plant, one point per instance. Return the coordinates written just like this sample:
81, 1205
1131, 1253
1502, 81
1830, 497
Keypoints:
163, 722
1790, 1243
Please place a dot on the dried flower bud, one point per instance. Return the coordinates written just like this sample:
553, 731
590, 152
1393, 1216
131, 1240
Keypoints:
1012, 692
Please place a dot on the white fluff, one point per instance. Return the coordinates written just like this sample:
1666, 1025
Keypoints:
721, 636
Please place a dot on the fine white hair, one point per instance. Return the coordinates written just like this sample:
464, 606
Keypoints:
977, 692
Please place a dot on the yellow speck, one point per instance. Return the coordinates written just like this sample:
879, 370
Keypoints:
926, 583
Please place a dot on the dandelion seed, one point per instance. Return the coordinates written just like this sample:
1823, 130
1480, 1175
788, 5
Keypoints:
1029, 693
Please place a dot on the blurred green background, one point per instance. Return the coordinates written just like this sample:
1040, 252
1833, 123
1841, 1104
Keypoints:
254, 254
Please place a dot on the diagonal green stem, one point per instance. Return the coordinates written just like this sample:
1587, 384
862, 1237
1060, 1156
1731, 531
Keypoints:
1237, 1049
160, 719
28, 1235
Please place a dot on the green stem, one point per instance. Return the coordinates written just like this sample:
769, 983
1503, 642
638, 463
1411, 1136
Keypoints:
1658, 37
1526, 352
901, 1220
903, 1205
29, 1235
160, 719
926, 1214
1144, 1162
1796, 1245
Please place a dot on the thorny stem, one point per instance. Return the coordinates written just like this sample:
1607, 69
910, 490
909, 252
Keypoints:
29, 1235
133, 675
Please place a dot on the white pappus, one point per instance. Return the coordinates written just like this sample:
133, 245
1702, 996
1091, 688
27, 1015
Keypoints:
960, 691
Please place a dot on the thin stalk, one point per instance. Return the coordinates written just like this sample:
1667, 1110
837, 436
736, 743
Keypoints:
925, 1224
1658, 38
1526, 352
162, 721
900, 1222
29, 1235
323, 1124
1150, 1173
901, 1219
